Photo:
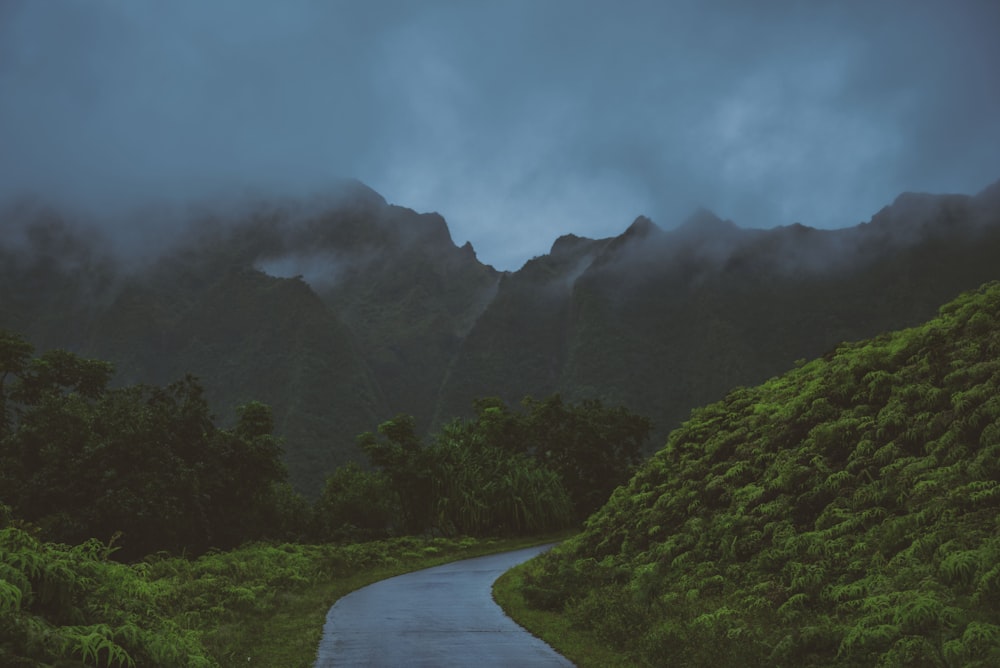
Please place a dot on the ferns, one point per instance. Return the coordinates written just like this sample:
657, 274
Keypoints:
93, 645
960, 568
979, 642
859, 502
789, 611
10, 597
61, 603
166, 612
867, 640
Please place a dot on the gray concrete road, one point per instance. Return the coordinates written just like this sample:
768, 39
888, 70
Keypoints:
439, 617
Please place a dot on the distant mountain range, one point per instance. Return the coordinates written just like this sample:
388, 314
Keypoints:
345, 314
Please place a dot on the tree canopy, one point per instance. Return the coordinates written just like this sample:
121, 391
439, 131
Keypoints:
504, 471
83, 460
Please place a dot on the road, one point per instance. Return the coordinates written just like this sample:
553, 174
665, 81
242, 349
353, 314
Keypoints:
438, 617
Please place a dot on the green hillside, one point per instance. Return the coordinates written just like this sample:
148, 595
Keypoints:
518, 344
844, 513
344, 310
251, 337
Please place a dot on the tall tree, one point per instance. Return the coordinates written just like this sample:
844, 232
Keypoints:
15, 353
593, 448
398, 451
146, 462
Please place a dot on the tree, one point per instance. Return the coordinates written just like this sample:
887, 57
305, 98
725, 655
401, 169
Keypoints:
243, 466
504, 472
481, 489
84, 461
591, 447
408, 465
594, 449
356, 504
15, 354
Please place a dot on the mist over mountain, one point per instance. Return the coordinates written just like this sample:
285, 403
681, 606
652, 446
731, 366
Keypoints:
343, 310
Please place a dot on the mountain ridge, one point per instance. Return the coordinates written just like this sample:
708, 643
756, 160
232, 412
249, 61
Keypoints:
342, 312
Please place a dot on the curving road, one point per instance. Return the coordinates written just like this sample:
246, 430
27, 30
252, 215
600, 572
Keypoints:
438, 617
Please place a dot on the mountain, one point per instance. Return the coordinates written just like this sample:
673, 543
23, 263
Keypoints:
841, 514
344, 310
665, 320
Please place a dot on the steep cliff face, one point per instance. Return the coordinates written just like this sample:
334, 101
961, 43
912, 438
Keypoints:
518, 346
345, 310
410, 303
666, 320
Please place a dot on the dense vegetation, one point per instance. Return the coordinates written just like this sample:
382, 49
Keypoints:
143, 465
845, 513
505, 471
148, 468
259, 605
842, 513
107, 495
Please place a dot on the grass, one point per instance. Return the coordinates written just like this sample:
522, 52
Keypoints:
288, 634
578, 646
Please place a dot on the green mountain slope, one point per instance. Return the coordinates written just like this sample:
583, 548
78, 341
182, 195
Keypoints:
343, 311
667, 320
252, 337
518, 345
844, 513
338, 313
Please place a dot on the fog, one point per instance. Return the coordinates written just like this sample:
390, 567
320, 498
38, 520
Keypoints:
518, 121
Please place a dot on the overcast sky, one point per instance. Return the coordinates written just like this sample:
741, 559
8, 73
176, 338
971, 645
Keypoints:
518, 121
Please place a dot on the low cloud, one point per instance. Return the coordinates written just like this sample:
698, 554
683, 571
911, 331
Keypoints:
518, 121
321, 270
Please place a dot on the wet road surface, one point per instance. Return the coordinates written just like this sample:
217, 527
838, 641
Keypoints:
438, 617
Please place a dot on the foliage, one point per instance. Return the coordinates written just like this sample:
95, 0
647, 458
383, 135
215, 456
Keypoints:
576, 644
63, 605
845, 513
410, 468
593, 448
82, 460
73, 606
355, 505
483, 490
504, 472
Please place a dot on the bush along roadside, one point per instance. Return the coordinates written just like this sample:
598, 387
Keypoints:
262, 604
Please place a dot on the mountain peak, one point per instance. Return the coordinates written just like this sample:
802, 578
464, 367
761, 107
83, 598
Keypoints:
990, 195
704, 221
640, 228
567, 243
358, 189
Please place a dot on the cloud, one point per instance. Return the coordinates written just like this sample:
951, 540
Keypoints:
321, 269
518, 121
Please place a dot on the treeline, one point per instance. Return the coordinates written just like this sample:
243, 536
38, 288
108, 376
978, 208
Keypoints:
147, 467
843, 514
504, 472
143, 466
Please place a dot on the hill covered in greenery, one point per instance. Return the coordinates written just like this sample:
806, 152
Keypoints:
94, 474
842, 514
148, 468
342, 312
